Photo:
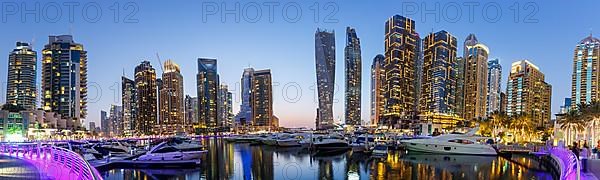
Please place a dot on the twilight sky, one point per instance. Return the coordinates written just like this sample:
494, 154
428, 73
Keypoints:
544, 32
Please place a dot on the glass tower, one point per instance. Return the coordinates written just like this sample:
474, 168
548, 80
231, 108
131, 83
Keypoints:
21, 79
586, 69
325, 66
439, 76
208, 87
494, 86
146, 84
353, 67
475, 79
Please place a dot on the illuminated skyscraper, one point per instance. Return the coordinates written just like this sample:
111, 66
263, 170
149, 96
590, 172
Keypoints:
225, 106
586, 68
400, 55
64, 79
325, 66
459, 94
475, 79
129, 103
353, 68
528, 93
191, 112
145, 80
21, 79
439, 76
208, 87
116, 120
494, 86
262, 99
377, 89
244, 116
171, 99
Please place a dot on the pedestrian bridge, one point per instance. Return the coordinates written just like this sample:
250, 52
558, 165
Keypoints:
44, 161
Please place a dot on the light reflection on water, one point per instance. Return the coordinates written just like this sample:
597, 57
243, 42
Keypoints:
245, 161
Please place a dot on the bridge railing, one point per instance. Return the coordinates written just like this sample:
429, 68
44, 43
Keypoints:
55, 162
567, 162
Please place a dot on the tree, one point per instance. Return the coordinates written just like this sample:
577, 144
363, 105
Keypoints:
498, 120
572, 121
522, 125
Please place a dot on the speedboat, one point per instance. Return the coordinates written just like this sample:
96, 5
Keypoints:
114, 147
166, 151
270, 140
380, 150
330, 142
451, 144
286, 140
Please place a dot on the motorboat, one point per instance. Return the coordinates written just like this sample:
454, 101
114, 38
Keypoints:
270, 140
451, 144
330, 142
380, 150
167, 151
287, 140
361, 143
114, 147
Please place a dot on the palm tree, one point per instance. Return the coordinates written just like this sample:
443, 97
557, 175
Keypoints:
522, 125
590, 114
572, 121
498, 120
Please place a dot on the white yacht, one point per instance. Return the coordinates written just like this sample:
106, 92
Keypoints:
287, 140
380, 150
170, 152
451, 144
117, 147
330, 142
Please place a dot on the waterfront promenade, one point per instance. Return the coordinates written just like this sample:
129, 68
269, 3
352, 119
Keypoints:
16, 169
593, 170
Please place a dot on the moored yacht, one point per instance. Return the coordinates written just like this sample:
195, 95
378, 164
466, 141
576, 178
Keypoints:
451, 144
330, 142
166, 151
287, 140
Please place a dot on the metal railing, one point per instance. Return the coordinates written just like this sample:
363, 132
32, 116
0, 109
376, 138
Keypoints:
569, 165
55, 162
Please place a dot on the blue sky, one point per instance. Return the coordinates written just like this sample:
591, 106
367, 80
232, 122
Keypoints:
545, 32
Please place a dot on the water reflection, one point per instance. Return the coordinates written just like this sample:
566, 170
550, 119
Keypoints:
245, 161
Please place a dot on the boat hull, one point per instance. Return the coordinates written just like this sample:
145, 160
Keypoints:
442, 148
288, 143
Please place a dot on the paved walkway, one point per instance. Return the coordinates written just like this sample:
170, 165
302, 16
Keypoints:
16, 169
593, 169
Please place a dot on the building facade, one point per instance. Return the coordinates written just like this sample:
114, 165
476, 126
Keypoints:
21, 87
475, 79
586, 72
244, 116
171, 99
116, 120
208, 87
130, 105
262, 99
439, 76
191, 113
377, 89
325, 68
494, 86
527, 93
226, 108
353, 69
400, 55
145, 82
64, 79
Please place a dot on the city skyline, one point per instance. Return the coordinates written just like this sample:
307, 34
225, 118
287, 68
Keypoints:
371, 42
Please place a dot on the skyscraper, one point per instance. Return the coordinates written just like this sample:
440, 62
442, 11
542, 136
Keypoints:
475, 79
145, 80
244, 116
116, 120
262, 99
586, 72
104, 123
494, 86
400, 51
459, 94
325, 68
171, 99
439, 76
377, 89
528, 93
21, 79
224, 102
64, 79
129, 103
208, 87
191, 112
353, 68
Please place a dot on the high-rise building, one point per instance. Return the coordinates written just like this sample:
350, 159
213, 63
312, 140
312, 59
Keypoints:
171, 99
494, 86
130, 105
439, 76
145, 80
475, 79
419, 62
64, 79
226, 108
503, 102
191, 112
377, 89
208, 87
528, 93
104, 123
92, 126
262, 99
325, 66
459, 94
244, 116
400, 51
586, 72
353, 68
21, 79
116, 120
